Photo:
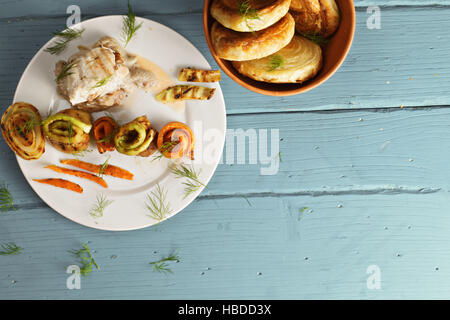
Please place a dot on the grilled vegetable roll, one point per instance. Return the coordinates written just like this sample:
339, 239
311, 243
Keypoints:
105, 129
21, 128
135, 137
68, 130
176, 140
185, 92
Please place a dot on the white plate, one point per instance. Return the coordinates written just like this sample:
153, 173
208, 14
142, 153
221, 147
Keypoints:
128, 211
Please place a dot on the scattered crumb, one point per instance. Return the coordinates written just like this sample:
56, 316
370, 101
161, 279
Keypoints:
339, 205
411, 78
401, 106
388, 82
411, 160
381, 129
361, 119
435, 74
150, 28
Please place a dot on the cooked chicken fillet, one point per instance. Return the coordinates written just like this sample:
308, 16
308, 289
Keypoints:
101, 77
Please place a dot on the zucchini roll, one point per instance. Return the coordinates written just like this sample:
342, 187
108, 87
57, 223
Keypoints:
68, 130
135, 137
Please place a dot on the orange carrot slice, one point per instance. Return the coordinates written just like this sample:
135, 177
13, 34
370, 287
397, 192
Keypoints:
104, 130
176, 140
80, 174
109, 170
61, 183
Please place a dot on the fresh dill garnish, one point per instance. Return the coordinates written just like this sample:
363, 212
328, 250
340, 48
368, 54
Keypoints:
64, 38
318, 39
279, 157
157, 203
303, 211
10, 248
102, 82
129, 27
103, 167
65, 72
29, 125
248, 201
86, 259
108, 137
6, 198
70, 132
100, 206
276, 62
193, 183
81, 153
247, 12
167, 146
163, 266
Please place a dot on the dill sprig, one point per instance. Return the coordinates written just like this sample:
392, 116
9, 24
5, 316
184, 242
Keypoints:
64, 37
6, 198
86, 259
100, 206
10, 248
276, 62
247, 12
82, 153
108, 137
70, 132
29, 125
102, 82
157, 203
129, 27
65, 72
193, 183
103, 167
166, 146
318, 39
163, 266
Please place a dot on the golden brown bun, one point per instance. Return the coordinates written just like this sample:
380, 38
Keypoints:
260, 13
312, 6
315, 17
330, 17
241, 46
299, 61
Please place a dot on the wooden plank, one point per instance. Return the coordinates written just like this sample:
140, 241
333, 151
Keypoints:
229, 250
410, 68
354, 152
30, 8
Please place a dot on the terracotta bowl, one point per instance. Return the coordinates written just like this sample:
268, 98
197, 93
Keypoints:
334, 53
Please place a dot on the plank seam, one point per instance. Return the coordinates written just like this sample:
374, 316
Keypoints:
341, 110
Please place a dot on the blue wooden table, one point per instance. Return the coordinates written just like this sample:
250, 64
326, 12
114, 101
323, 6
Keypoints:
362, 190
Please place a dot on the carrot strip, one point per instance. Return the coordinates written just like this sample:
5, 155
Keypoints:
104, 131
61, 183
80, 174
109, 170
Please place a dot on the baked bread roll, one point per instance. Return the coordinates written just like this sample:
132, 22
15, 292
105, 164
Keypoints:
315, 17
248, 15
241, 46
299, 61
330, 17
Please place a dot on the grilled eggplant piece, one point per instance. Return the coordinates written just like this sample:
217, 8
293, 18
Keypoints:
68, 130
185, 92
21, 128
135, 137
